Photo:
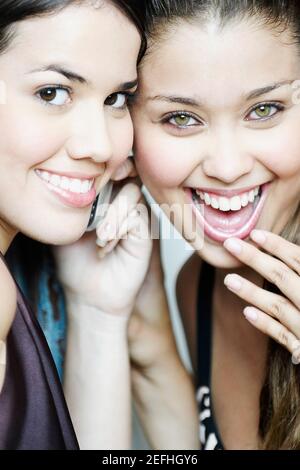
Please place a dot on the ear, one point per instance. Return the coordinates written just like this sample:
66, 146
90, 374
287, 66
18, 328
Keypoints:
125, 170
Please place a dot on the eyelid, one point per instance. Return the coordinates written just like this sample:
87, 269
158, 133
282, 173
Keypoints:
173, 114
54, 87
276, 104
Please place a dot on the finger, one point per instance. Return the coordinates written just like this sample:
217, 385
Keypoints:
288, 252
272, 328
135, 227
273, 270
118, 211
273, 304
125, 170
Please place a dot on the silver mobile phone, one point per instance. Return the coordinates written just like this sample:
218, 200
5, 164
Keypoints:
100, 206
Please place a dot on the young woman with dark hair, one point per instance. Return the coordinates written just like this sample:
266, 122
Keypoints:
67, 71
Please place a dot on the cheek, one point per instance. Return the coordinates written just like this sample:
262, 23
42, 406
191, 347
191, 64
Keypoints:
163, 161
28, 142
282, 156
121, 135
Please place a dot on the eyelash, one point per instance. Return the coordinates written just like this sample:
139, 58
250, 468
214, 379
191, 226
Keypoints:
279, 107
129, 98
129, 95
166, 120
53, 87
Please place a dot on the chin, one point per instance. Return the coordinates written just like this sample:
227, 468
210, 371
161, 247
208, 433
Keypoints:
218, 257
57, 235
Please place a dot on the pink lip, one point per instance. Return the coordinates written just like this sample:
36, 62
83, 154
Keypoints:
242, 231
69, 198
73, 174
227, 192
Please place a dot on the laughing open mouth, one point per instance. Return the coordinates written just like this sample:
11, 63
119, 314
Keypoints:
223, 217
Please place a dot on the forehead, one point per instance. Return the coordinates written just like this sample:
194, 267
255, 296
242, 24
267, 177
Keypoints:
78, 35
219, 63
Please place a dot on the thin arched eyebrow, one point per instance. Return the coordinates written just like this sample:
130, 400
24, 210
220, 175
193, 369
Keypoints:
75, 77
184, 100
175, 99
266, 89
69, 74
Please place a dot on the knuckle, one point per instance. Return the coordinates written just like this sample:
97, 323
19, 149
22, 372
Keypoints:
295, 260
278, 308
279, 275
283, 337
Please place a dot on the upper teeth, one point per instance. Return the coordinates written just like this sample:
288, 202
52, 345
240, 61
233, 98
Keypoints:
73, 185
228, 204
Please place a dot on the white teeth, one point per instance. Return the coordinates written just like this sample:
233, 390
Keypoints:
244, 200
55, 180
68, 184
214, 203
235, 203
251, 196
47, 176
207, 199
75, 186
226, 204
65, 183
85, 186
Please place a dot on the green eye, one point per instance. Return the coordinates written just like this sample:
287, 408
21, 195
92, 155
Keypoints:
182, 120
263, 110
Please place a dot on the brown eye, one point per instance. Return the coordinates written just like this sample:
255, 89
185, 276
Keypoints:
116, 100
56, 96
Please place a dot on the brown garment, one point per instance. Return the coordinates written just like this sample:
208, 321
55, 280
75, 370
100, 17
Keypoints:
33, 410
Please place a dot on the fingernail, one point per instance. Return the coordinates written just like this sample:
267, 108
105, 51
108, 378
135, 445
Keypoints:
250, 313
296, 352
258, 236
233, 282
233, 245
103, 233
296, 345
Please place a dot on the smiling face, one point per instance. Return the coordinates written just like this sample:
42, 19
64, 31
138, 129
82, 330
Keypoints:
65, 126
218, 133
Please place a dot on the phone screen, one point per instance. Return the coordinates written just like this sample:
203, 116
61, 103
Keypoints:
100, 206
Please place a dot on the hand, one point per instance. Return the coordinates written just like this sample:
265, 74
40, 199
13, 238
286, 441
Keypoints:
109, 276
150, 334
278, 316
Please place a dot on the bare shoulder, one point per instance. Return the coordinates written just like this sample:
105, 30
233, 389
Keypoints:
8, 300
186, 292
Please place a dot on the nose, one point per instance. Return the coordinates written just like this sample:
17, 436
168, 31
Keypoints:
90, 136
226, 158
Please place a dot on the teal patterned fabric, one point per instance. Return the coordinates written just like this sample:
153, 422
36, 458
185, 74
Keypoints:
49, 294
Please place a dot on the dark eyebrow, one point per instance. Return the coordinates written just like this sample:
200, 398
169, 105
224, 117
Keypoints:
127, 85
75, 77
175, 99
267, 89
